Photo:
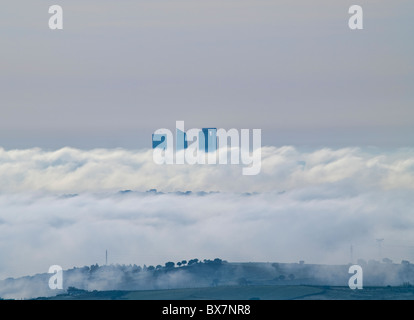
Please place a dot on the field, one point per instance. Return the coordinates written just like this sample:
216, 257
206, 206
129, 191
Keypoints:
249, 293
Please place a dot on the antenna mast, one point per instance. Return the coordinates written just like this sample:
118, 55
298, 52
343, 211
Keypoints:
352, 254
380, 241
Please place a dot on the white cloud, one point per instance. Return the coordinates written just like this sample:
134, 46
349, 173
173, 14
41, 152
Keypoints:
71, 171
317, 224
333, 198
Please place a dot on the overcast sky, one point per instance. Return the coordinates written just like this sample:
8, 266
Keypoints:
122, 69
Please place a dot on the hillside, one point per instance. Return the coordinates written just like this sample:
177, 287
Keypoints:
209, 274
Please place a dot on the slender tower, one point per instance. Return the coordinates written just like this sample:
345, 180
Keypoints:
352, 254
380, 241
106, 257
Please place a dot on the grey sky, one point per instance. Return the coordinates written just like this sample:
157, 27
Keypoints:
122, 69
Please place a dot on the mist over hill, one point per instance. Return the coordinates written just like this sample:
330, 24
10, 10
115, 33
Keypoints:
204, 274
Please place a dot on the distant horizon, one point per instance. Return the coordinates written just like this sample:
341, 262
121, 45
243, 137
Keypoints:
379, 137
116, 264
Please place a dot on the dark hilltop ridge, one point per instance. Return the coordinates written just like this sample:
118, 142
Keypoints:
219, 279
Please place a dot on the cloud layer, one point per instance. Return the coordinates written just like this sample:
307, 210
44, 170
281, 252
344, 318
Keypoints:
72, 171
308, 205
314, 224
